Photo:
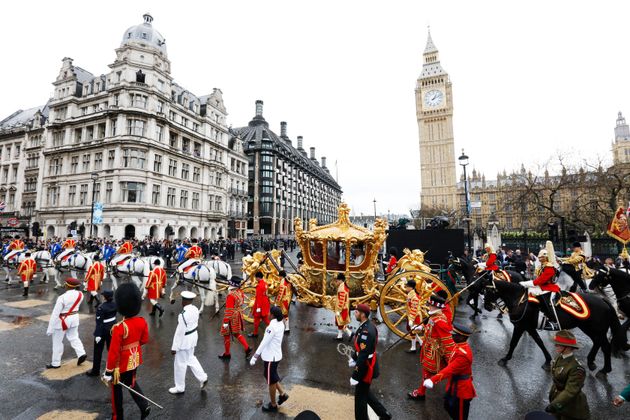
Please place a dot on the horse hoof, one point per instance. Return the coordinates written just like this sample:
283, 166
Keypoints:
172, 301
502, 362
601, 374
546, 366
592, 365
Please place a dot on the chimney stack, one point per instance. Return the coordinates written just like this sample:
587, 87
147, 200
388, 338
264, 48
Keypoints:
300, 142
323, 161
259, 108
312, 153
283, 129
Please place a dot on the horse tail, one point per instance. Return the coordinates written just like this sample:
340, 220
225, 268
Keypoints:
619, 339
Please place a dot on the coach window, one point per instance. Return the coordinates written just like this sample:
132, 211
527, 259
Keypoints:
357, 254
317, 252
335, 255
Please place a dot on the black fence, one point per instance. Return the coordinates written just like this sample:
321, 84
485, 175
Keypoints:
601, 247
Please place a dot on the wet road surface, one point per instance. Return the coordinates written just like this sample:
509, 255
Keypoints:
315, 374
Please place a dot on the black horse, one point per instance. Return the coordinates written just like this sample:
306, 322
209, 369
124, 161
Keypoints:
620, 282
603, 317
468, 270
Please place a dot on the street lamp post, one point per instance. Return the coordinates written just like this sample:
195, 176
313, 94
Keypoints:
94, 177
463, 161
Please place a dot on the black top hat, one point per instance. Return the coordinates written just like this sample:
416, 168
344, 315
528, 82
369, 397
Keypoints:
577, 244
411, 283
462, 330
437, 301
235, 281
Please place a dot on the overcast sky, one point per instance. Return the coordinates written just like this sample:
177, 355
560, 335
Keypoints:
529, 78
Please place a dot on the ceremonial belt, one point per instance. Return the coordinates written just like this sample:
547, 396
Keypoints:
131, 346
63, 317
109, 320
454, 380
69, 313
191, 331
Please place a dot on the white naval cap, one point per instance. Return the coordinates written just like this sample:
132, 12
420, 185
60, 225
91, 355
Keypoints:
188, 295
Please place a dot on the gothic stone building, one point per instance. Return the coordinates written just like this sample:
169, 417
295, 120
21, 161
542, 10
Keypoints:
284, 182
159, 158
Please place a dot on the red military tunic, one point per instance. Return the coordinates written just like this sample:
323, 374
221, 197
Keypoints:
194, 252
342, 310
125, 248
233, 316
438, 343
27, 269
125, 352
94, 276
155, 283
262, 300
458, 372
545, 279
283, 298
69, 244
16, 245
491, 262
413, 307
391, 264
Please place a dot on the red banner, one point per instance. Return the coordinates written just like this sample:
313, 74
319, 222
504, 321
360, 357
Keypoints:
618, 227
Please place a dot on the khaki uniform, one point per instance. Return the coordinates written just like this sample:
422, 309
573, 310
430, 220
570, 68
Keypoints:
566, 395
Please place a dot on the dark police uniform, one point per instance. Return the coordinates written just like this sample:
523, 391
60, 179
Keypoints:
365, 370
105, 320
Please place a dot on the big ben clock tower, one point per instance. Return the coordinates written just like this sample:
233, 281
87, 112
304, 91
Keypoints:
434, 111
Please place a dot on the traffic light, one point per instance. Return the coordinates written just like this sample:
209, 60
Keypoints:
553, 231
36, 230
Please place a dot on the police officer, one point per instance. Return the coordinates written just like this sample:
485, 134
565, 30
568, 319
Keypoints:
105, 320
365, 364
566, 399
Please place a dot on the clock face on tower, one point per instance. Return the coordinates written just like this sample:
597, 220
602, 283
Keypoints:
433, 98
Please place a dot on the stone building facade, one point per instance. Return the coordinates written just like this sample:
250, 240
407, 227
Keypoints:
159, 158
284, 181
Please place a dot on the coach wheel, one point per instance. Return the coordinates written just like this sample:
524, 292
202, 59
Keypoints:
248, 303
393, 299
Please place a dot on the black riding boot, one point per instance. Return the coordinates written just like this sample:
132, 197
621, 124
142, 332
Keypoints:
152, 313
98, 301
25, 294
159, 308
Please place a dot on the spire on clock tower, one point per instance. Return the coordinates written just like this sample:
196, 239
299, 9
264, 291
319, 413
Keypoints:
431, 66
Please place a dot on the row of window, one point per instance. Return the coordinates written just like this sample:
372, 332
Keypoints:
5, 153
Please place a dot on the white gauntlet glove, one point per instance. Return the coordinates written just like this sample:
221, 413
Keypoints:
97, 339
353, 382
529, 283
351, 363
428, 383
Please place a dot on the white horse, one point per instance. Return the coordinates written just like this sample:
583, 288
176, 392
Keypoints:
137, 268
12, 262
203, 277
223, 269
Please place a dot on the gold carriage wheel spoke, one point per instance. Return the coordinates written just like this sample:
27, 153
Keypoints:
392, 299
397, 309
400, 319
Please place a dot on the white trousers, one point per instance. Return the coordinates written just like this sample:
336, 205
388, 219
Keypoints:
186, 263
183, 360
72, 334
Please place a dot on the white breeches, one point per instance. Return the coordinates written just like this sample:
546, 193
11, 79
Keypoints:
72, 334
535, 291
183, 360
64, 253
187, 263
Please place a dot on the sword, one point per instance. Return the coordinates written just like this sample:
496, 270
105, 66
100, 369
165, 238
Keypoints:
135, 392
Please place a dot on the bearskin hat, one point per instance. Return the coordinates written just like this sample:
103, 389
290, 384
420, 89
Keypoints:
128, 299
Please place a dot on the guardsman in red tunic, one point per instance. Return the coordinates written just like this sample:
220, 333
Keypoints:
283, 298
68, 246
16, 246
365, 363
125, 351
193, 255
94, 279
342, 307
233, 319
261, 304
438, 344
155, 287
545, 280
413, 314
392, 261
125, 248
26, 270
458, 373
491, 258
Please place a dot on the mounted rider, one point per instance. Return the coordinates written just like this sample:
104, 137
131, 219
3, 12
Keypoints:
490, 258
194, 256
107, 251
16, 247
546, 275
68, 246
122, 253
577, 260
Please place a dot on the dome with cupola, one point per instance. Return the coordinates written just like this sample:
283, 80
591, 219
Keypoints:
145, 36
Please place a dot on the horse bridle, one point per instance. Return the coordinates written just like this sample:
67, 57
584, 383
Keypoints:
502, 306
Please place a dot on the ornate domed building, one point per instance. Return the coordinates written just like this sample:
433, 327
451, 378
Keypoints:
155, 157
